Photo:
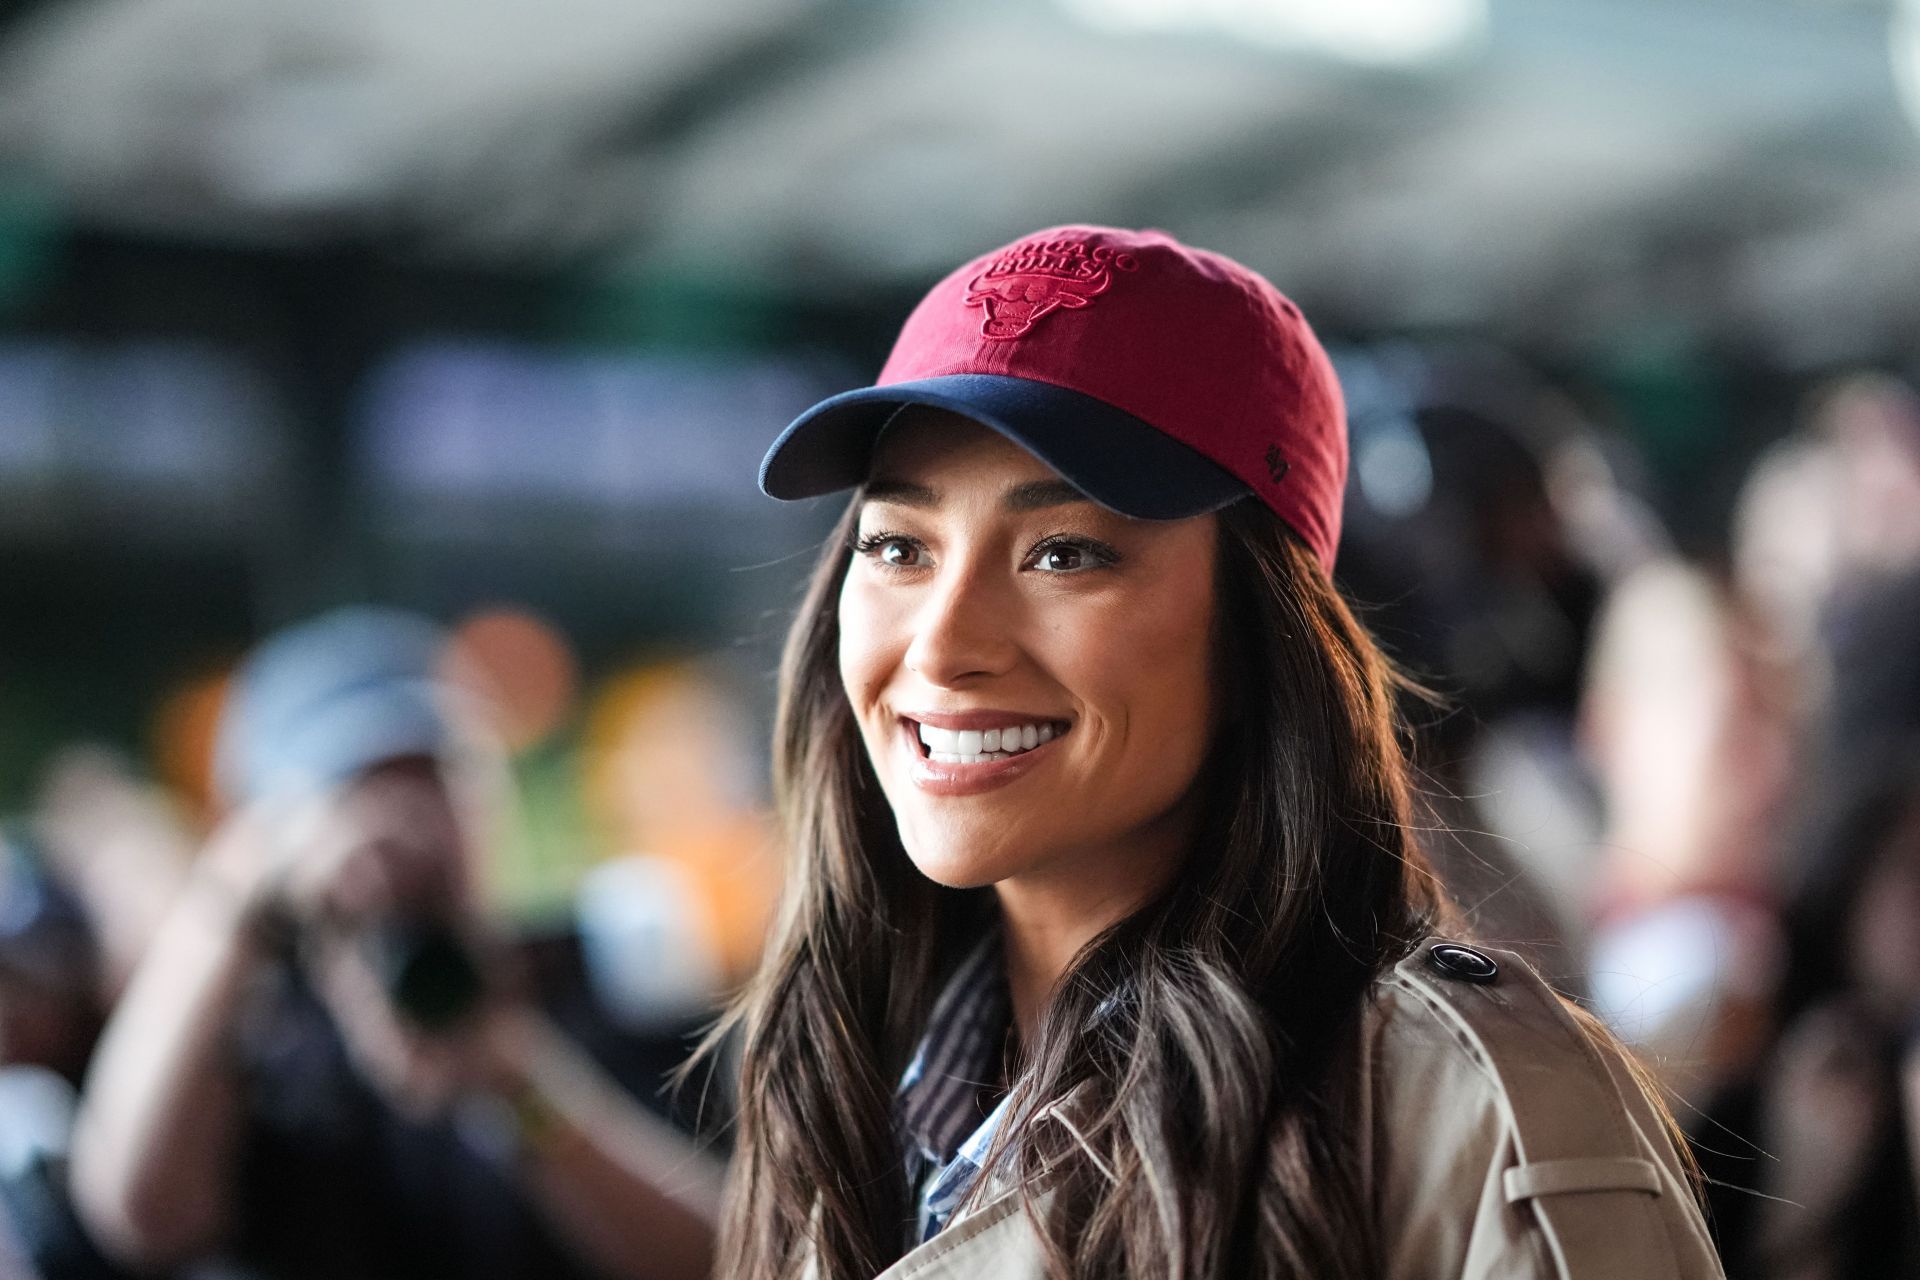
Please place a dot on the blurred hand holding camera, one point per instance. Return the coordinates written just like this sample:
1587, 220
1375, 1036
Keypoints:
367, 887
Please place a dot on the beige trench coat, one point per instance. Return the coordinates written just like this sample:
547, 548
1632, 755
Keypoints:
1499, 1145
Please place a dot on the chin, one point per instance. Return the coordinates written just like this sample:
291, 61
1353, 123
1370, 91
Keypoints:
957, 864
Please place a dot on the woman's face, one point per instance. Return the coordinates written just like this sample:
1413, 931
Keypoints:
988, 603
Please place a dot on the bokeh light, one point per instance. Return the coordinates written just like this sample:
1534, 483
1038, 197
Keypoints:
529, 671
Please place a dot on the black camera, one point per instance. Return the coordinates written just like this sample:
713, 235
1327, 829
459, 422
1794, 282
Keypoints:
428, 972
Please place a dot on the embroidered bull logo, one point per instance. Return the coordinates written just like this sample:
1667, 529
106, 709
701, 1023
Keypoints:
1019, 289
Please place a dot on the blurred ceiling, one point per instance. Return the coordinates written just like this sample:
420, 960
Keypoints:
1549, 170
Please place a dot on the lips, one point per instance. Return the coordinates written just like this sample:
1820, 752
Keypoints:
949, 777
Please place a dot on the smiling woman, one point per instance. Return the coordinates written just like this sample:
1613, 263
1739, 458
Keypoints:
1108, 948
980, 572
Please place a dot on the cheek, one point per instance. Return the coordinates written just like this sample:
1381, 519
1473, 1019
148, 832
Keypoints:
862, 654
1150, 682
1176, 676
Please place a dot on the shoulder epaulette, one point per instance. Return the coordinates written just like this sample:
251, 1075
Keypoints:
1584, 1166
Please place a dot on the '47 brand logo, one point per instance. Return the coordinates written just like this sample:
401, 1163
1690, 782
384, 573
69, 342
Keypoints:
1031, 280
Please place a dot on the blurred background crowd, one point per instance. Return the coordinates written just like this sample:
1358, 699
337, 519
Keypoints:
388, 614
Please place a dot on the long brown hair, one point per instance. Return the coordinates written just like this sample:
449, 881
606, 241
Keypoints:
1201, 1038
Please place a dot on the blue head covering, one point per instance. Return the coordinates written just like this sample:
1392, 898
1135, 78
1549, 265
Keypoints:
322, 701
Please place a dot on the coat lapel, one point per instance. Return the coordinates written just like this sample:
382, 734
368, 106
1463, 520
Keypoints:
989, 1237
994, 1240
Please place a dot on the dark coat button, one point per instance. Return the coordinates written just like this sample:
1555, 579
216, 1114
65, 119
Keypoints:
1451, 960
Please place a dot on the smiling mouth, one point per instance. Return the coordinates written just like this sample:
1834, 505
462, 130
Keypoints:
977, 746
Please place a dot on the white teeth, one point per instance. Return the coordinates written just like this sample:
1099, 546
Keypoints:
973, 746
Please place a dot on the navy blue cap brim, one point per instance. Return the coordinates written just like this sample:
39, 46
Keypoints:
1114, 458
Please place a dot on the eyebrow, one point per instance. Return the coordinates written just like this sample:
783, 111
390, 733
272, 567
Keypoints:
1034, 495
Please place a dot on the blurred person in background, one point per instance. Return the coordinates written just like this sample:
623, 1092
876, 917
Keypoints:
1690, 734
52, 1008
1684, 725
325, 1064
121, 843
1850, 619
1838, 1107
1713, 697
50, 1014
1833, 1097
1832, 506
1458, 541
85, 878
1724, 716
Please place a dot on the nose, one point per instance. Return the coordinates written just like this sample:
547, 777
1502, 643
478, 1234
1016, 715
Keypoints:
963, 629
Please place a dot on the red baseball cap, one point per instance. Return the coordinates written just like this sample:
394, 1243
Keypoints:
1163, 381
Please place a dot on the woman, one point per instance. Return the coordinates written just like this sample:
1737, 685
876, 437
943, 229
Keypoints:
1106, 948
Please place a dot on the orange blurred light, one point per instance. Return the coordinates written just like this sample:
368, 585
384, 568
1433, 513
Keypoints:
182, 735
527, 668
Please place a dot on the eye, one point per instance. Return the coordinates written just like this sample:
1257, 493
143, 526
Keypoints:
1071, 555
895, 550
1060, 559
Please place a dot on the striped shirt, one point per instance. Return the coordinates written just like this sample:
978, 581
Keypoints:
944, 1124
